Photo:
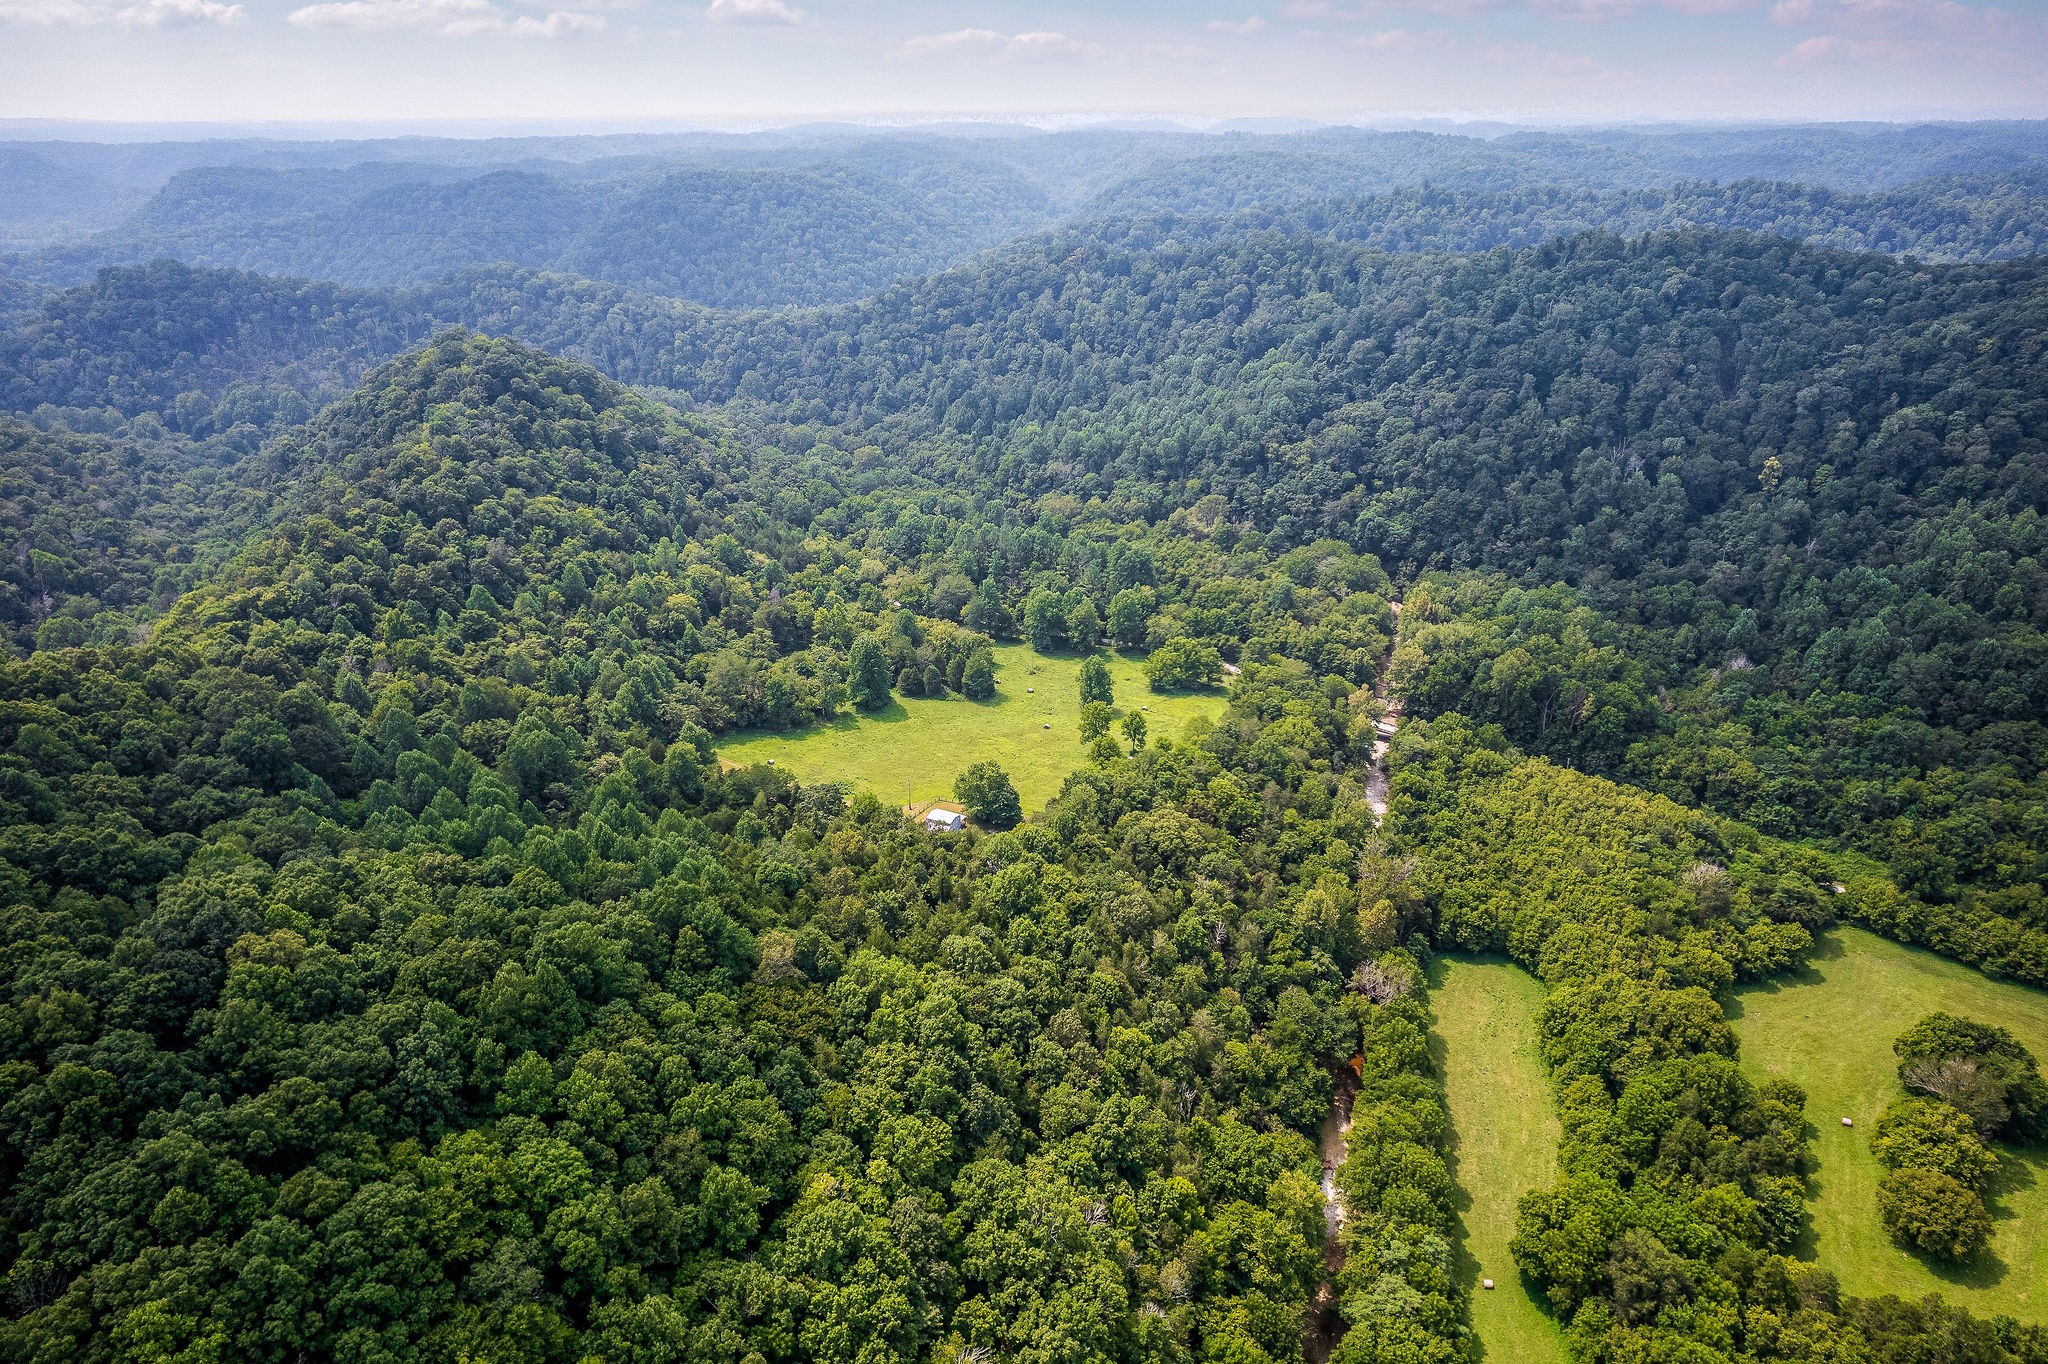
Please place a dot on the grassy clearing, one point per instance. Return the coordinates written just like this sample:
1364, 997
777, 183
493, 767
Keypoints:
1504, 1139
1830, 1029
913, 749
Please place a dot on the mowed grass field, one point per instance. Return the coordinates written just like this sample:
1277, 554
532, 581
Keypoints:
914, 748
1830, 1029
1504, 1139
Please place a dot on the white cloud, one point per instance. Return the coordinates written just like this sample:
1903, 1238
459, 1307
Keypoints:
1402, 40
1811, 50
1239, 26
141, 14
1579, 10
988, 40
48, 12
444, 18
179, 13
753, 12
559, 23
1931, 36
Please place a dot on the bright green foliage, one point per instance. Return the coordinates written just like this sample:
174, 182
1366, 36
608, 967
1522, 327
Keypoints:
1829, 1028
408, 980
911, 750
1133, 726
1183, 664
978, 676
1096, 718
1927, 1134
1045, 623
1671, 1159
1095, 683
1503, 1118
1130, 617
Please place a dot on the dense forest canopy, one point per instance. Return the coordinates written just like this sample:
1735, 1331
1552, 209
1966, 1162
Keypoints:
394, 970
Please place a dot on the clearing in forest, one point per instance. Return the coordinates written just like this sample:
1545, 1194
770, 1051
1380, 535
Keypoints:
913, 748
1829, 1028
1504, 1139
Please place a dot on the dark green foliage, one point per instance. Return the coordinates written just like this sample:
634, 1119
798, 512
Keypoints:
1096, 718
243, 347
990, 799
978, 676
391, 948
1636, 912
1133, 726
1979, 1068
394, 971
867, 676
1929, 1212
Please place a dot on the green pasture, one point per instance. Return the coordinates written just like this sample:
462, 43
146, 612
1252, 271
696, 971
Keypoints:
1830, 1028
912, 749
1504, 1140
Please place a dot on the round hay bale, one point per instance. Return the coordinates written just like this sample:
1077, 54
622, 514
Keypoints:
1848, 1122
1486, 1284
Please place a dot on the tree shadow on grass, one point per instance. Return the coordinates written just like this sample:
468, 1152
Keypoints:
1465, 1267
851, 719
2019, 1168
1826, 948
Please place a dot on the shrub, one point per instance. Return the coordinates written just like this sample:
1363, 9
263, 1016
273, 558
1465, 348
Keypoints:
1927, 1211
1921, 1134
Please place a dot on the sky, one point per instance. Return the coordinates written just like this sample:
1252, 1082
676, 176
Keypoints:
745, 62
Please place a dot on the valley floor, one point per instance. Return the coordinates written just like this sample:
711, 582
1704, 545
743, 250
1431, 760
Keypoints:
913, 749
1504, 1143
1830, 1029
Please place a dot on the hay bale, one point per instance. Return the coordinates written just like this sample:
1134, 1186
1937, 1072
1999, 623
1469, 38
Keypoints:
1486, 1284
1848, 1122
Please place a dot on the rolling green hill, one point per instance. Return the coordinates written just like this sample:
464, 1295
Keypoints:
402, 955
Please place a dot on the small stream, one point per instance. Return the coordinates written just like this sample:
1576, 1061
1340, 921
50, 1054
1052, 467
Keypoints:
1389, 721
1325, 1325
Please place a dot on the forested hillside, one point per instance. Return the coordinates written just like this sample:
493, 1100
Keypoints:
1620, 552
824, 217
1951, 218
718, 235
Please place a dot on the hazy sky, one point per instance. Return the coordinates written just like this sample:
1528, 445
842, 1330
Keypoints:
778, 59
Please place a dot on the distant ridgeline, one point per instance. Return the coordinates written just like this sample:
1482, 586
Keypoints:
393, 971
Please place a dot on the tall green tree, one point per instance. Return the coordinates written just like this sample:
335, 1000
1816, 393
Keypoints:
991, 800
1095, 681
867, 674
